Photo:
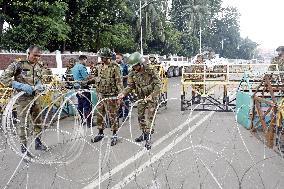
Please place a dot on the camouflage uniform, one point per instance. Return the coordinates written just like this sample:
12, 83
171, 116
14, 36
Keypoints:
46, 74
154, 64
108, 84
27, 73
279, 61
145, 83
69, 77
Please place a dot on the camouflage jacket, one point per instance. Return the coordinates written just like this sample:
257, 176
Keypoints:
279, 61
46, 71
107, 79
143, 83
69, 75
23, 72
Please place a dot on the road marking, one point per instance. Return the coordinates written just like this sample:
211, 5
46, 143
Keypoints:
132, 159
156, 157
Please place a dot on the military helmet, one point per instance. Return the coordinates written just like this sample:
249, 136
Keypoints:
105, 53
135, 59
280, 49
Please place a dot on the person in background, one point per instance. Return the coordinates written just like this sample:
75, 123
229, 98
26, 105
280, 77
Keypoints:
68, 73
279, 60
80, 74
124, 107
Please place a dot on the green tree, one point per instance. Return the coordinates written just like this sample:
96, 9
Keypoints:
154, 16
191, 15
224, 34
95, 24
32, 22
247, 49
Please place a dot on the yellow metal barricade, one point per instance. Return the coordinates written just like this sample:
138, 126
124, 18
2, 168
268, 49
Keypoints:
208, 82
5, 95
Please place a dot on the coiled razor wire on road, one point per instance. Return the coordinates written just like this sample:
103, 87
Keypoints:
72, 149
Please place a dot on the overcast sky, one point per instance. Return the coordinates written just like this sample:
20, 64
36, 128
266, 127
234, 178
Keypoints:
261, 20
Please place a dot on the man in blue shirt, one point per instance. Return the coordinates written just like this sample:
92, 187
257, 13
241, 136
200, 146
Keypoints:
124, 108
80, 73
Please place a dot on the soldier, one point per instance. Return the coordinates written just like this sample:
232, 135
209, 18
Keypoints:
68, 72
147, 86
92, 67
46, 73
107, 80
26, 76
153, 62
152, 59
279, 60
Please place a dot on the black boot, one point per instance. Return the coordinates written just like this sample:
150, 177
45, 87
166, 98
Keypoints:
25, 150
39, 145
148, 141
141, 137
113, 140
198, 101
99, 137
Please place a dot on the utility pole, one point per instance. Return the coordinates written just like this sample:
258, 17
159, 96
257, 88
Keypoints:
200, 39
141, 31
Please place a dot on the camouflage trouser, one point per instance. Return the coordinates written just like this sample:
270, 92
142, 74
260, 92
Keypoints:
33, 113
107, 108
141, 107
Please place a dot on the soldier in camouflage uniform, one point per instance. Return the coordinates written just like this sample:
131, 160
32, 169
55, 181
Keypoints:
153, 59
68, 73
147, 86
26, 76
107, 80
46, 73
153, 62
279, 60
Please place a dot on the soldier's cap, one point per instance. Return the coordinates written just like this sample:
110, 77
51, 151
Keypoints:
280, 49
152, 56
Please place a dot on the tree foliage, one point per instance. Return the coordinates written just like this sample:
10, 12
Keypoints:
88, 25
33, 22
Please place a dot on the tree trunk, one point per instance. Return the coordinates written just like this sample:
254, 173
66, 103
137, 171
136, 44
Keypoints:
2, 20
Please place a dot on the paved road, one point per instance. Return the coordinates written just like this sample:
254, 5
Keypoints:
190, 150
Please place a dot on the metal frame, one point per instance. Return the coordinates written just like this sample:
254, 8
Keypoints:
266, 109
230, 75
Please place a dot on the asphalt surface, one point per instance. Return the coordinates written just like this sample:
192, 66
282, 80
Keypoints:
191, 149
